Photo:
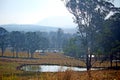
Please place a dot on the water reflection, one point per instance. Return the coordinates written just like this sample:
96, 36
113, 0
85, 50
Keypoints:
50, 68
33, 68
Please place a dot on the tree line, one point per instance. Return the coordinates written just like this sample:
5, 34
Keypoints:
18, 41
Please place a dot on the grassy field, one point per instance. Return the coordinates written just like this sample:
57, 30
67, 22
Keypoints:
9, 68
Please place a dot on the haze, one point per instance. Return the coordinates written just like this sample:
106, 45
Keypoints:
38, 12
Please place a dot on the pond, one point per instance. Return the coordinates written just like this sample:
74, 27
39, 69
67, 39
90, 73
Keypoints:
51, 68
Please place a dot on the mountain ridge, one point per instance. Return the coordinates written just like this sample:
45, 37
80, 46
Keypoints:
33, 28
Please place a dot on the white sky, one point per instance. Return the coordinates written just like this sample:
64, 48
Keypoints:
30, 11
33, 11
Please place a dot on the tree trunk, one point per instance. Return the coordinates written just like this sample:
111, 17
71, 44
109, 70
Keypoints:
17, 53
111, 58
2, 52
28, 53
13, 52
87, 62
116, 63
31, 55
88, 59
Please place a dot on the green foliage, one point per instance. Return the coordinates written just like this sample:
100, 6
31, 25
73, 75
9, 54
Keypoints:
3, 39
29, 42
16, 41
110, 34
72, 48
90, 16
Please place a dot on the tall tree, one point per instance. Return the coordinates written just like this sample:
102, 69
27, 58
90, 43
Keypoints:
110, 37
16, 42
52, 40
31, 43
89, 15
72, 48
59, 38
3, 39
43, 43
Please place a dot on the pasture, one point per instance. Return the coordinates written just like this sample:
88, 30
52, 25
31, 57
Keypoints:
9, 68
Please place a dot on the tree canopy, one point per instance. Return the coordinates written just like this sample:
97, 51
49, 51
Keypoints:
90, 16
3, 39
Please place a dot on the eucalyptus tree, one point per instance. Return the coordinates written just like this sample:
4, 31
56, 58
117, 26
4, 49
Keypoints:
59, 38
89, 15
114, 24
3, 39
52, 40
110, 37
16, 41
72, 48
43, 40
43, 43
31, 42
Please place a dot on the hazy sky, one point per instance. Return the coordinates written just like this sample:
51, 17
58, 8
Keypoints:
35, 12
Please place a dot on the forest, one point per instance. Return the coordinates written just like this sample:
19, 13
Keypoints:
18, 41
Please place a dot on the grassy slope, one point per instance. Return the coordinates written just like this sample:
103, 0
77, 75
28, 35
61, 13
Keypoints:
9, 71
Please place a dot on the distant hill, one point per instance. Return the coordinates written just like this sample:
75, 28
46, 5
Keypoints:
26, 28
59, 21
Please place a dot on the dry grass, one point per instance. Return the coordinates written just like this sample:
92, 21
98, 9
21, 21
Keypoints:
46, 58
8, 68
72, 75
